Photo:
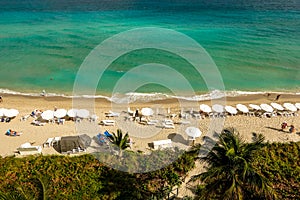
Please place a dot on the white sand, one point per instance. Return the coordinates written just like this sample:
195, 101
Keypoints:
141, 134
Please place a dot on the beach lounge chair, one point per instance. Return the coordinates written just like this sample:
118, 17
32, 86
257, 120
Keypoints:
168, 123
61, 121
27, 149
152, 122
24, 118
130, 112
48, 142
112, 114
38, 123
108, 135
107, 122
55, 140
93, 118
168, 126
184, 122
160, 144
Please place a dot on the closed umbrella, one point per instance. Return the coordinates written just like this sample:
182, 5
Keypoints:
193, 132
10, 112
72, 112
242, 108
83, 113
205, 108
60, 113
266, 107
290, 107
277, 106
147, 111
47, 115
254, 106
218, 108
231, 110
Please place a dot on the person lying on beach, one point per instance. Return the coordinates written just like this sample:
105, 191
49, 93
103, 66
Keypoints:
292, 129
10, 132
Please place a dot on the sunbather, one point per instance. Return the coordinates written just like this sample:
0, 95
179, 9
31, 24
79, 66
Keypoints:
292, 129
10, 132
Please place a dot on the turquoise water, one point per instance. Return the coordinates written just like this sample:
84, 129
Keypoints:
42, 45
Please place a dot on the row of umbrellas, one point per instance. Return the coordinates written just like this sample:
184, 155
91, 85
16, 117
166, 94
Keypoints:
8, 112
243, 108
61, 113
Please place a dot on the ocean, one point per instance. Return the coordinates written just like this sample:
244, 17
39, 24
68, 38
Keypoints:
255, 45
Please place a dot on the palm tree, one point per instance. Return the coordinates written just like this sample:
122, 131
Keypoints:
120, 142
230, 174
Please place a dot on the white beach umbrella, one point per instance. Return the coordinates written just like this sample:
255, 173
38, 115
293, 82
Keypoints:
266, 107
277, 106
72, 112
242, 108
10, 112
218, 108
2, 111
254, 106
205, 108
193, 132
48, 115
297, 105
290, 107
231, 110
83, 113
60, 113
147, 111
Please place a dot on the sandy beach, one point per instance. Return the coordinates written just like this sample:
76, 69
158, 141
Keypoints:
142, 135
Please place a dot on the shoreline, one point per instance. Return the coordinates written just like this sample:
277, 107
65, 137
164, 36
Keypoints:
161, 97
141, 134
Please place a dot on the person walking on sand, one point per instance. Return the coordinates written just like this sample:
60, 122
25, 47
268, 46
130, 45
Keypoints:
283, 126
1, 99
277, 97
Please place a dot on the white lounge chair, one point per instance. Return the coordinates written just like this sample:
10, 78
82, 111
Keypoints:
38, 123
168, 121
93, 118
27, 149
24, 118
168, 126
107, 122
152, 122
183, 122
162, 144
48, 142
129, 111
55, 140
112, 114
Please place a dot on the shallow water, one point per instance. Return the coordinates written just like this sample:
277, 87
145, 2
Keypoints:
256, 47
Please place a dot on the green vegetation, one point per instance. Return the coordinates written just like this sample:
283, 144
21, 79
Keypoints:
236, 170
120, 142
280, 163
84, 177
230, 173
